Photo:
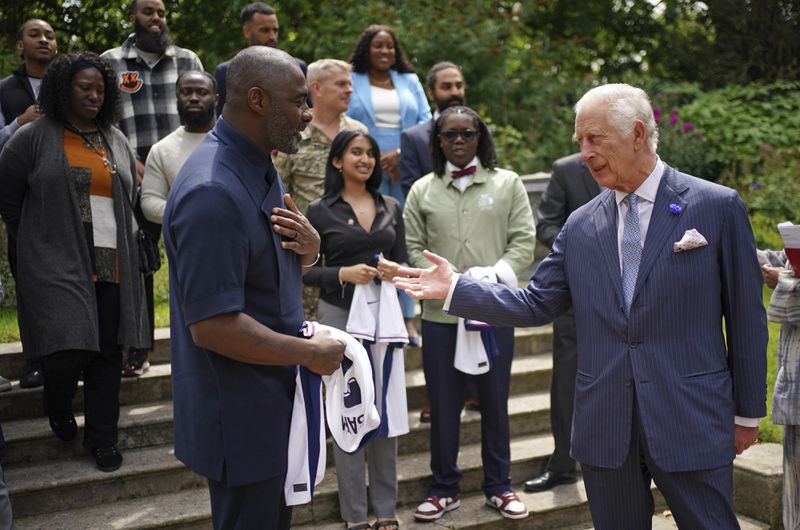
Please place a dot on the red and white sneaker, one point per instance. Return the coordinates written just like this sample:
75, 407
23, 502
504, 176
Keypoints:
434, 507
508, 504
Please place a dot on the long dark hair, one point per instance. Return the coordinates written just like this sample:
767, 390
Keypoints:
360, 57
485, 150
334, 180
55, 90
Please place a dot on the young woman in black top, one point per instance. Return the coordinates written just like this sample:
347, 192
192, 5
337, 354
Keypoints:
362, 238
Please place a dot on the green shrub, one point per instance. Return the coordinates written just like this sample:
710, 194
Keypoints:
771, 191
738, 120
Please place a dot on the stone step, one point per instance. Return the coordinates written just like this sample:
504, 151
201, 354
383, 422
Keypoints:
12, 360
153, 385
528, 341
45, 487
52, 486
192, 509
529, 455
562, 507
758, 483
185, 509
529, 373
144, 425
152, 474
31, 440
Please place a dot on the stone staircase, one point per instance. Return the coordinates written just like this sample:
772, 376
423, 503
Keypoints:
55, 485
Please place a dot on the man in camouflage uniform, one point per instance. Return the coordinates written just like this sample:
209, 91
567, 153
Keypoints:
303, 173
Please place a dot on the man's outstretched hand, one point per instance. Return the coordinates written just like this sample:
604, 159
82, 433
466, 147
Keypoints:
426, 284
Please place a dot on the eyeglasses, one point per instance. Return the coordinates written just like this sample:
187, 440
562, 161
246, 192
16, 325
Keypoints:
451, 135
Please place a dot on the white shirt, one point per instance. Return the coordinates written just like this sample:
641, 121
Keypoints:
386, 103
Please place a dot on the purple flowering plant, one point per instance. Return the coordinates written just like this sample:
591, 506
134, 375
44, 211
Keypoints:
681, 144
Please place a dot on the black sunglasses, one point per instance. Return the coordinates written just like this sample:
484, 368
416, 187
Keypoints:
451, 135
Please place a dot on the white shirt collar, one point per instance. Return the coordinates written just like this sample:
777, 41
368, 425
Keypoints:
648, 189
450, 167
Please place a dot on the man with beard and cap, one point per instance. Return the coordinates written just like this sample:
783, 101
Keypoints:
260, 28
36, 42
197, 96
237, 246
147, 66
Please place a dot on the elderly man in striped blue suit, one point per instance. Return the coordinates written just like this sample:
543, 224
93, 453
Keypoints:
654, 267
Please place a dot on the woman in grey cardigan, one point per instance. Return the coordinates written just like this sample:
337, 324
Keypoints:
67, 182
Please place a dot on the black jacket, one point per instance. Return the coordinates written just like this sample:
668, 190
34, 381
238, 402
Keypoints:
16, 94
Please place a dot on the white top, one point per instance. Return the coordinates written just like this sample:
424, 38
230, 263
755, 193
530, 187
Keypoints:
386, 103
36, 84
163, 163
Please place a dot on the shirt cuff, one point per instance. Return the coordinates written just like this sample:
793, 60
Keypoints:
13, 126
746, 422
453, 283
505, 274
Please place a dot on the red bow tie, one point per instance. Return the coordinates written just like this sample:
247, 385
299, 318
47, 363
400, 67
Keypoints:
464, 172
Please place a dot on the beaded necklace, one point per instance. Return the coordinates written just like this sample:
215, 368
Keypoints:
95, 141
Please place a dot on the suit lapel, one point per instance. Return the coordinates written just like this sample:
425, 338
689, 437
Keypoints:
662, 222
363, 92
398, 80
605, 222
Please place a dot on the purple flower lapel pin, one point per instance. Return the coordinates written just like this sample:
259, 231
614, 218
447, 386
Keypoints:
675, 209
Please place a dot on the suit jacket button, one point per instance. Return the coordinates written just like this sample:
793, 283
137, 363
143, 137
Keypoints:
634, 343
628, 383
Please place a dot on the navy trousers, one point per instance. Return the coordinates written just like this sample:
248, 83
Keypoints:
620, 498
250, 507
445, 387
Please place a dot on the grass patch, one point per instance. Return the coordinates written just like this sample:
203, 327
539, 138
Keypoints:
767, 431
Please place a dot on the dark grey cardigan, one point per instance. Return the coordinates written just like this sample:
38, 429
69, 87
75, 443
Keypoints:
55, 292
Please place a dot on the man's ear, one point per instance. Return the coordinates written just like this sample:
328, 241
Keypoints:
313, 89
638, 135
258, 100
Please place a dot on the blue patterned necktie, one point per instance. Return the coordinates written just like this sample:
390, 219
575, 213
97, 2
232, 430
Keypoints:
631, 250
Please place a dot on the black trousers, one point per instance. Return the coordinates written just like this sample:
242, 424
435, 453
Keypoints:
101, 375
445, 389
562, 391
250, 507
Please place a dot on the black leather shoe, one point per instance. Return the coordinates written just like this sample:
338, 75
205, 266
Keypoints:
107, 458
64, 428
550, 479
31, 378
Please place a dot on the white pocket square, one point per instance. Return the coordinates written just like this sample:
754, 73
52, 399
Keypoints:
691, 239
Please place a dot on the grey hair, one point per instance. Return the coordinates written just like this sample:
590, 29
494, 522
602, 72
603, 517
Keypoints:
626, 105
318, 70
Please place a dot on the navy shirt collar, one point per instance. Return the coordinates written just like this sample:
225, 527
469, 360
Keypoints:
250, 160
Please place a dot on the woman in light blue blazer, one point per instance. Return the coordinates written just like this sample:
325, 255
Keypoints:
388, 98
